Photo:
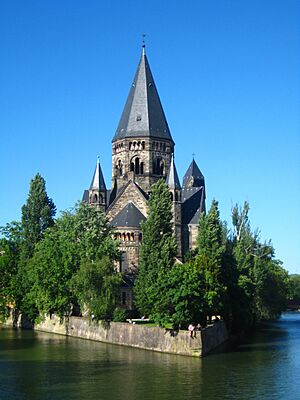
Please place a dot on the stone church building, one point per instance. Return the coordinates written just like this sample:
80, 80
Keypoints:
142, 153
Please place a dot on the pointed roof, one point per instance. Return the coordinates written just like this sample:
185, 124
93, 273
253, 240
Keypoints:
98, 182
143, 115
193, 176
193, 205
129, 216
172, 180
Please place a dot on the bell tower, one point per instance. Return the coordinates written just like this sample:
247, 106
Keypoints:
142, 145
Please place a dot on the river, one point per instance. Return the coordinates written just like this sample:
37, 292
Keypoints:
36, 365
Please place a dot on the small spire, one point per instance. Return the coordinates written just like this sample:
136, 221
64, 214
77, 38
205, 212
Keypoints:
143, 44
98, 180
193, 154
172, 180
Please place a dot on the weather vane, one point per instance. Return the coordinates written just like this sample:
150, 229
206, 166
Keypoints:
193, 154
143, 39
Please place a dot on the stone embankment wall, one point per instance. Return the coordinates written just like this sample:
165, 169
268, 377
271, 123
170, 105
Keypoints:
135, 335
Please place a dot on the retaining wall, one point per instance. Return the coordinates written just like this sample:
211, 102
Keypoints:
135, 335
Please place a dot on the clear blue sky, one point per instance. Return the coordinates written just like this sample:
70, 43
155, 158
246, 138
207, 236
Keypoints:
228, 76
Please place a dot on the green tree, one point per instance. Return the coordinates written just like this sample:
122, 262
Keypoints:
181, 296
157, 252
294, 287
75, 245
211, 242
37, 215
262, 285
96, 286
9, 259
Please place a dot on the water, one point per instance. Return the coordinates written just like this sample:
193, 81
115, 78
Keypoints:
36, 365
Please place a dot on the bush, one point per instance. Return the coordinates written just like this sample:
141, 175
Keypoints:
119, 315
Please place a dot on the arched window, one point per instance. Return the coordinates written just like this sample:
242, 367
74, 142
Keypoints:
142, 168
137, 166
119, 168
101, 198
143, 145
171, 196
140, 237
130, 145
132, 166
123, 237
128, 236
158, 166
132, 236
176, 196
95, 198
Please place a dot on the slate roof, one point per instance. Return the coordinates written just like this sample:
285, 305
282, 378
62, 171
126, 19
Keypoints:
193, 205
143, 115
172, 180
85, 196
193, 176
129, 216
98, 180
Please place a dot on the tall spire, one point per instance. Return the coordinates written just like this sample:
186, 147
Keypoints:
98, 182
143, 115
172, 180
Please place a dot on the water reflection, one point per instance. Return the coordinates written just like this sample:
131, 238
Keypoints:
35, 365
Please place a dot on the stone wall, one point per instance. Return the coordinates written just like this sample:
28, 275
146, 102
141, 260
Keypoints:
141, 336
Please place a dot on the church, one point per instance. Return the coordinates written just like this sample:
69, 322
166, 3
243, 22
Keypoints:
142, 153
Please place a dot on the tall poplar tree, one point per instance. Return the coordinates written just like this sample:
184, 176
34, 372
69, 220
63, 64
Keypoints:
37, 215
158, 249
210, 256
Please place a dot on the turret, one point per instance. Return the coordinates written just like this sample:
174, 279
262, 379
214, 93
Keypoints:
97, 194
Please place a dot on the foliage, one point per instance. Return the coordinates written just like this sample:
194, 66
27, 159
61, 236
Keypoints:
96, 286
209, 259
181, 299
157, 251
294, 287
261, 287
37, 215
119, 315
79, 239
9, 258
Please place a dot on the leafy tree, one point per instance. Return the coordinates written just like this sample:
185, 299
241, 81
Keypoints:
157, 252
74, 247
211, 242
294, 287
9, 258
262, 282
37, 215
96, 286
181, 298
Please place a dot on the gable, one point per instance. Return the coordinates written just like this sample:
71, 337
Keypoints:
130, 193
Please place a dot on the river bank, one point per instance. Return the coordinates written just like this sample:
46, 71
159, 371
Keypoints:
139, 336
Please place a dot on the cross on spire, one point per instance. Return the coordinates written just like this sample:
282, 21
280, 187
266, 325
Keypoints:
143, 42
